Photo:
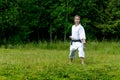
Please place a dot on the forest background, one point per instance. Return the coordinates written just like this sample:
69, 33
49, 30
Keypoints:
23, 21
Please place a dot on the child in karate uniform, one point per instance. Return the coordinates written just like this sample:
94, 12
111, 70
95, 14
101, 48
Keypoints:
78, 39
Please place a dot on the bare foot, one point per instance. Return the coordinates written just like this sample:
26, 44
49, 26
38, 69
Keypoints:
83, 63
70, 63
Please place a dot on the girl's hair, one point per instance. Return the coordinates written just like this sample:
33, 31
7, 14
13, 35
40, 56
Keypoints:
76, 16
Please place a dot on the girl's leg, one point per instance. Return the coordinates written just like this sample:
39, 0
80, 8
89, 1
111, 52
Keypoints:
81, 54
72, 54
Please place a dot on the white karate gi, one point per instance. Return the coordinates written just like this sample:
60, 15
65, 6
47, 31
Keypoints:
78, 33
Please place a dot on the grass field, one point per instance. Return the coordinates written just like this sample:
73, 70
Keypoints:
45, 61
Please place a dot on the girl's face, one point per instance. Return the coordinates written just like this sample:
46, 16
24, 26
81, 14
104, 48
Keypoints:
76, 20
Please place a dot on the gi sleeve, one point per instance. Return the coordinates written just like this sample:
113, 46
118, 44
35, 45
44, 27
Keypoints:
82, 33
72, 32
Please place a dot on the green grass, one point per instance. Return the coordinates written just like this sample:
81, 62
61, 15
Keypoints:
45, 61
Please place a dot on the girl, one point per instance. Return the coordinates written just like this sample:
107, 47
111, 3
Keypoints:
78, 39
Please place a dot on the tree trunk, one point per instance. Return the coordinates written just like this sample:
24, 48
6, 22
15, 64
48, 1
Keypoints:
64, 37
38, 36
65, 33
50, 33
50, 36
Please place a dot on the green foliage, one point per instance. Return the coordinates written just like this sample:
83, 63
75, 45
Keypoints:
110, 27
35, 62
34, 20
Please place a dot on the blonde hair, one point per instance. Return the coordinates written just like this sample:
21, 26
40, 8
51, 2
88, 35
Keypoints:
76, 16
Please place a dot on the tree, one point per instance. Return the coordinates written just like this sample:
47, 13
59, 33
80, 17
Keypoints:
37, 20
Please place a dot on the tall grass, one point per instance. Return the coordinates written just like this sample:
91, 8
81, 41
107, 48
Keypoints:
46, 61
95, 45
41, 45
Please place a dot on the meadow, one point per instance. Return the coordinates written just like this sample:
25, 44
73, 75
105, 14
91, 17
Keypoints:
46, 61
